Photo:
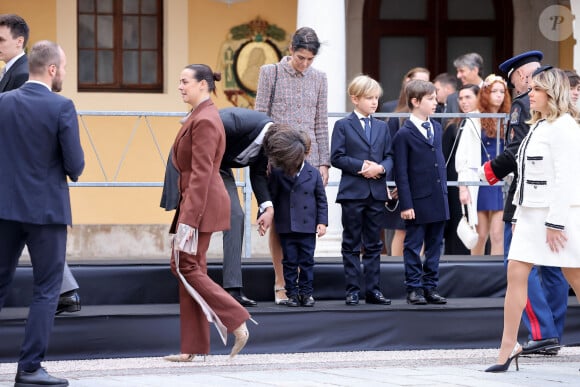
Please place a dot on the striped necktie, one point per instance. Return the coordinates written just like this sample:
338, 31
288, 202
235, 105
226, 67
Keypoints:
367, 121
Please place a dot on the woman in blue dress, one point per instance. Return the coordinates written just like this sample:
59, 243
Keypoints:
493, 98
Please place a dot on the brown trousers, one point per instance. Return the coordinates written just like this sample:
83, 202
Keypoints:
195, 329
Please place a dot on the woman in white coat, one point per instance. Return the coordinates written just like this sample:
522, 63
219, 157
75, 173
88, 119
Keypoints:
468, 154
547, 217
478, 144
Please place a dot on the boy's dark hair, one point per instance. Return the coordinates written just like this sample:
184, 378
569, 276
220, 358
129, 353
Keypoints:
418, 89
286, 147
573, 77
16, 25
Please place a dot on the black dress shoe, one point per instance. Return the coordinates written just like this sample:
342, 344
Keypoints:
377, 297
38, 378
549, 346
307, 301
352, 299
293, 301
415, 297
432, 297
239, 296
69, 302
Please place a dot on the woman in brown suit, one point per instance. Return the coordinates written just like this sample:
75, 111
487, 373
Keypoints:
203, 205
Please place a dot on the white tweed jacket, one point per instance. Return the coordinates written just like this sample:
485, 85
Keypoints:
548, 159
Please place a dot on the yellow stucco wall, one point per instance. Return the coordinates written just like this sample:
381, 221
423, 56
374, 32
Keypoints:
194, 31
39, 14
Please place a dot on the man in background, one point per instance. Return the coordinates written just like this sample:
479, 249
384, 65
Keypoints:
469, 71
39, 147
14, 34
445, 85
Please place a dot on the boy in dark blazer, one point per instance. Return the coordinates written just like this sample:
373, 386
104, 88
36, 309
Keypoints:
361, 149
301, 209
421, 180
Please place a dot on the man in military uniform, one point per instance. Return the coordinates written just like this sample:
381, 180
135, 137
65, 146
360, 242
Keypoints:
547, 289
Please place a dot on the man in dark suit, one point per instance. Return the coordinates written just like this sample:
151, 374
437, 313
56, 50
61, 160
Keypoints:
14, 34
245, 130
13, 38
40, 147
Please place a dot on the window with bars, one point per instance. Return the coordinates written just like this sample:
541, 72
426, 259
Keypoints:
120, 45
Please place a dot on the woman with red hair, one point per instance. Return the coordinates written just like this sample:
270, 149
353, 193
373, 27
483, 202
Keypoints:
478, 144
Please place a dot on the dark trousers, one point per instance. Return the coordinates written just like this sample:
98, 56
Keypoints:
422, 275
362, 221
545, 310
47, 247
298, 249
232, 238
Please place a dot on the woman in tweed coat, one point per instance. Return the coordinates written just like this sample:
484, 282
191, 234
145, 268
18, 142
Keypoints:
292, 92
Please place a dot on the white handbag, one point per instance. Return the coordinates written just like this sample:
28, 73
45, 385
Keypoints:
466, 232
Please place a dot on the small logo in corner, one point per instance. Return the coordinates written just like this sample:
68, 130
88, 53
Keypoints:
555, 23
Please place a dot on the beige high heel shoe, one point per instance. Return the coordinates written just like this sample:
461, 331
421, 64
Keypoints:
180, 358
242, 335
278, 300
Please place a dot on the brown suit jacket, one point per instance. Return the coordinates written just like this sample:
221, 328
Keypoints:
197, 154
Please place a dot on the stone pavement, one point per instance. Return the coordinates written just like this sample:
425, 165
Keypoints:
366, 368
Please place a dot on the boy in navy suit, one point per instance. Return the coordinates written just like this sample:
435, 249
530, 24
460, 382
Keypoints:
421, 180
361, 149
301, 207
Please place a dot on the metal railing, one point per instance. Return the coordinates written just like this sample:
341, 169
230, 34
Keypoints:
246, 188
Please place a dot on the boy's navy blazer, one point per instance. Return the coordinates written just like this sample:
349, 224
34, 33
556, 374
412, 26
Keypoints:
350, 148
420, 173
299, 203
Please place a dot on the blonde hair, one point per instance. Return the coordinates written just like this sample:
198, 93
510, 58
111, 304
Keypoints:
557, 87
363, 85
